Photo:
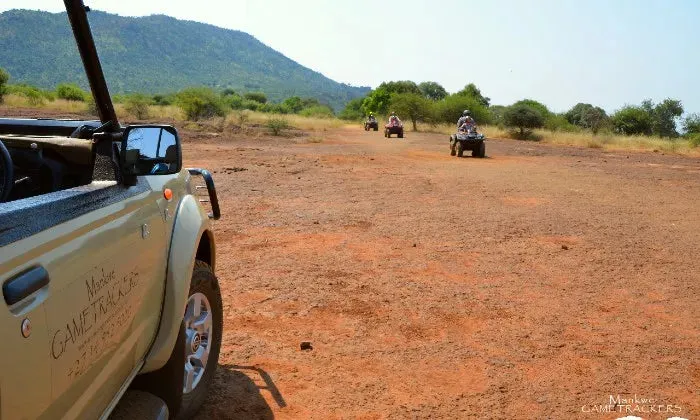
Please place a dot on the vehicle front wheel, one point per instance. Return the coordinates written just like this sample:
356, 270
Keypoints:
203, 322
460, 149
480, 151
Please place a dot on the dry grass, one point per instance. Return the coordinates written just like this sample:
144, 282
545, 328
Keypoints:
315, 124
20, 101
155, 112
295, 121
587, 139
619, 142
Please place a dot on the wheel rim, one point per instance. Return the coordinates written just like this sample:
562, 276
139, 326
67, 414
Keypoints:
199, 331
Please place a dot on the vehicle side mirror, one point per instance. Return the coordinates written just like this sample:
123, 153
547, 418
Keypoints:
150, 150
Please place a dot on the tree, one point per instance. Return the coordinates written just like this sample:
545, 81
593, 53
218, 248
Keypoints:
137, 105
400, 86
432, 90
523, 117
294, 104
538, 106
413, 106
200, 103
632, 120
377, 101
472, 91
587, 116
4, 78
71, 92
594, 119
353, 110
497, 112
258, 97
450, 109
691, 124
665, 115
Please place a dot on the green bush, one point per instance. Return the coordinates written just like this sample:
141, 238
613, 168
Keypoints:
258, 97
558, 122
496, 114
137, 105
524, 118
251, 105
276, 125
352, 111
163, 100
232, 99
198, 103
694, 139
4, 78
632, 120
71, 92
35, 95
319, 111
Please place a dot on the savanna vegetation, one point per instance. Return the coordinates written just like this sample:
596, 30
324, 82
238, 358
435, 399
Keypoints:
647, 125
426, 105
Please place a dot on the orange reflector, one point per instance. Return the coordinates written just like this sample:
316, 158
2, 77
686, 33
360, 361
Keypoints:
168, 194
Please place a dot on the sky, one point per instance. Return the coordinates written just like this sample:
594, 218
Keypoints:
559, 52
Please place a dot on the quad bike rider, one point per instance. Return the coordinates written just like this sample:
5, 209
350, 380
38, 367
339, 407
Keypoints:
394, 126
467, 137
371, 123
465, 118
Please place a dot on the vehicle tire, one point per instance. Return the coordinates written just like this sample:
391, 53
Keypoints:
376, 128
460, 150
480, 151
400, 135
453, 149
204, 303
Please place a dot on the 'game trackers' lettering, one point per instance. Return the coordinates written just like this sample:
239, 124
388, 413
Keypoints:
105, 297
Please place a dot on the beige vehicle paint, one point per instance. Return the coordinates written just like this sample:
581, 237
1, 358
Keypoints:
116, 283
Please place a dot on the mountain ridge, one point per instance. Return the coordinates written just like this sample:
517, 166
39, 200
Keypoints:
157, 54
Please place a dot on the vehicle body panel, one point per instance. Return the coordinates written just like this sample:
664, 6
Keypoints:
101, 307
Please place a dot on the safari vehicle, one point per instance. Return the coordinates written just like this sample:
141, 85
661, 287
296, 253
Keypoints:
107, 260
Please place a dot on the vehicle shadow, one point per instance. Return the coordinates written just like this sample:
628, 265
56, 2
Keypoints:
237, 394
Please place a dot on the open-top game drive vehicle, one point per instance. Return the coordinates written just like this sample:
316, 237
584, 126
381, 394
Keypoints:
371, 124
107, 260
468, 139
393, 128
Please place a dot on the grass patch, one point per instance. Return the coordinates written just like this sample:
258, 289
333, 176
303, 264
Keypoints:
277, 125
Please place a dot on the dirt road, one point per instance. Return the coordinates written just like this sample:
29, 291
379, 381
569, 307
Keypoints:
538, 283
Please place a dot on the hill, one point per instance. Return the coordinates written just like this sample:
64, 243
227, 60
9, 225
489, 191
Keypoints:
157, 54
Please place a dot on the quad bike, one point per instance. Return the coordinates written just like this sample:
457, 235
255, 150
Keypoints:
468, 139
371, 124
394, 127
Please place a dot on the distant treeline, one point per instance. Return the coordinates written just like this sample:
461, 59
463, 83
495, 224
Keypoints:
196, 102
430, 103
427, 103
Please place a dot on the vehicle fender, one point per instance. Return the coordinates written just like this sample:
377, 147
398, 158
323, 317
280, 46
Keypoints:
190, 225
